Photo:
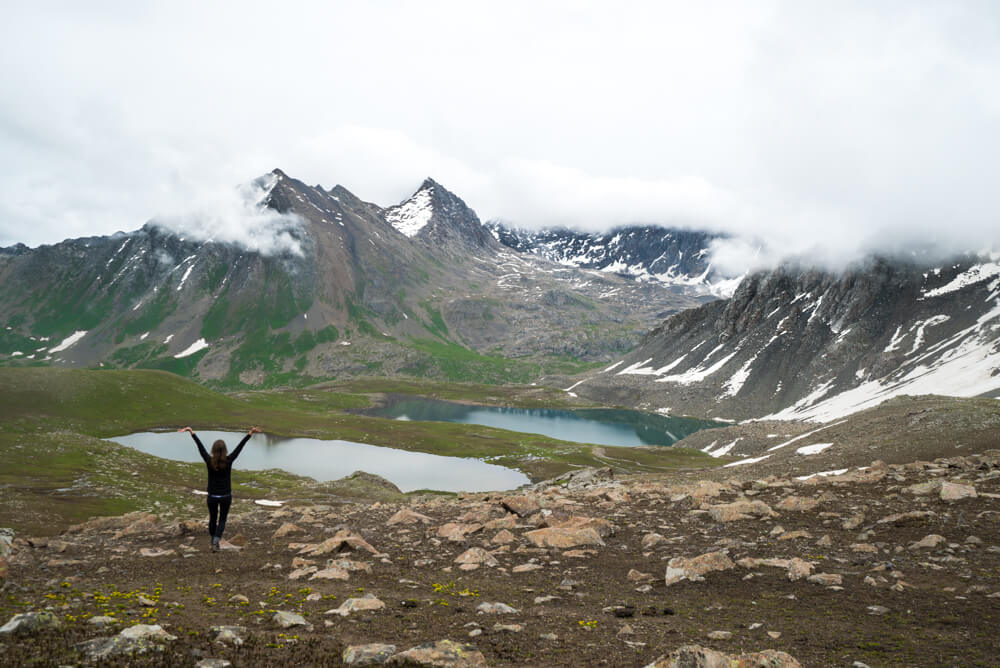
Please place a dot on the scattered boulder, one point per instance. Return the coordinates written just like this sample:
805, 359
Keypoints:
343, 540
651, 540
930, 541
953, 491
30, 622
229, 635
826, 579
329, 573
741, 509
138, 639
695, 568
475, 557
440, 654
496, 609
797, 503
404, 516
522, 505
695, 656
287, 620
503, 537
155, 552
366, 603
457, 531
564, 538
287, 529
373, 654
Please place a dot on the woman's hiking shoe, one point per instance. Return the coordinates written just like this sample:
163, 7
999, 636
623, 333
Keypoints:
215, 544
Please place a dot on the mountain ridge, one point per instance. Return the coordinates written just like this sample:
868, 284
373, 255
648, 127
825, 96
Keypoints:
801, 343
322, 286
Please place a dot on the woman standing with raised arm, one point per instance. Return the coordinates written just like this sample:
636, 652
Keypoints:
220, 492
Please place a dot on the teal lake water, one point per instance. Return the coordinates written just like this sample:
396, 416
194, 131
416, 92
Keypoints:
598, 426
331, 460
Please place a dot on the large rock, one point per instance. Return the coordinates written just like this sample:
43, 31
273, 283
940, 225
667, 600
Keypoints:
30, 622
564, 538
441, 654
6, 541
651, 540
522, 505
475, 557
741, 509
953, 491
229, 635
366, 603
497, 608
457, 531
603, 527
332, 572
695, 568
928, 542
406, 516
287, 620
795, 568
287, 529
343, 540
800, 503
138, 639
373, 654
695, 656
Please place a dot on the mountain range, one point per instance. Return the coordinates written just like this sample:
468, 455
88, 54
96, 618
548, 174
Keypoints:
799, 343
419, 288
632, 317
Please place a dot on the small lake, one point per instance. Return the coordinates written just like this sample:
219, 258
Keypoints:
331, 460
600, 426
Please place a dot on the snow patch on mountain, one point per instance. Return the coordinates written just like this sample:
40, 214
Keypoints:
68, 341
412, 215
971, 276
200, 344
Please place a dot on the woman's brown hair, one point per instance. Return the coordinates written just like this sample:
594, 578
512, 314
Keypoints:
219, 454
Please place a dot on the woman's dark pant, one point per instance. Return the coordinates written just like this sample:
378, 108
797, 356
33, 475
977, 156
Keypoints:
218, 510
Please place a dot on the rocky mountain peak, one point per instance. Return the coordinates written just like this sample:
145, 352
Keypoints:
434, 213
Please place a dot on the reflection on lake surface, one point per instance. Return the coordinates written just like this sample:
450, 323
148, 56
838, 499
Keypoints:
331, 460
600, 426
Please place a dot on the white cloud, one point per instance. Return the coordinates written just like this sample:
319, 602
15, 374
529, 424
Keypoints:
828, 129
236, 216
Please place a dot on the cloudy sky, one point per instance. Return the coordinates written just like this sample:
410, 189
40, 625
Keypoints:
812, 127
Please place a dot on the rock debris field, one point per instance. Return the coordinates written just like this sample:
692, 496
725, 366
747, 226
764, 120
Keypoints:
884, 565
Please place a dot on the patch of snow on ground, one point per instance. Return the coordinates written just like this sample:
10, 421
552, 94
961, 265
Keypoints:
897, 338
918, 340
200, 344
613, 366
736, 381
412, 215
16, 353
822, 474
696, 374
724, 450
813, 449
751, 460
167, 340
973, 274
143, 337
805, 435
68, 341
185, 276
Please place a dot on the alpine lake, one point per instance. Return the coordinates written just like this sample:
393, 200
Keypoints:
326, 460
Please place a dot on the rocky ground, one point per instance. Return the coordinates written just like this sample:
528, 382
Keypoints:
890, 564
